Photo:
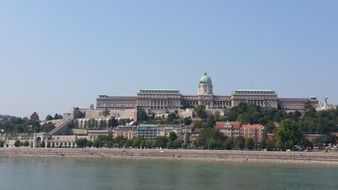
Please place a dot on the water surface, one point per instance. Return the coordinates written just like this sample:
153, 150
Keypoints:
56, 174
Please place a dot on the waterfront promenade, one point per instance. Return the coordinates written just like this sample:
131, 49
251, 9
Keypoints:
201, 155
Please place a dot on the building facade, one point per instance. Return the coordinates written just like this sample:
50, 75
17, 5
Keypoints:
256, 132
166, 100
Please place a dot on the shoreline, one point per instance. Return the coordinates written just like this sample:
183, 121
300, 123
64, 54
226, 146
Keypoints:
304, 158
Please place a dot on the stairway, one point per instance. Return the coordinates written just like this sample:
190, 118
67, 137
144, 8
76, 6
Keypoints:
62, 129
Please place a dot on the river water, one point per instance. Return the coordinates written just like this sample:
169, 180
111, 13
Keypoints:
74, 174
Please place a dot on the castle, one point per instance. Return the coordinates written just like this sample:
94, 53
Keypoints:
160, 101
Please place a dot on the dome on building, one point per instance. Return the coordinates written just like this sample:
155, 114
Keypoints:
205, 79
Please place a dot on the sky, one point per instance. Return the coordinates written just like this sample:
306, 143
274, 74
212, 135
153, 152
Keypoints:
56, 55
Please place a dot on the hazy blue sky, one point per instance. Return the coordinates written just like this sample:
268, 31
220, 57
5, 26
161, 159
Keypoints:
58, 54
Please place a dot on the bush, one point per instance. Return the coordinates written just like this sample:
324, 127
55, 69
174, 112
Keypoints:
81, 143
250, 144
26, 144
17, 143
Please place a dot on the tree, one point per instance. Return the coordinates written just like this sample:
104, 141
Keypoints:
26, 144
129, 143
47, 127
200, 111
161, 142
288, 134
17, 143
49, 117
43, 144
58, 116
187, 121
35, 117
239, 142
211, 120
113, 122
172, 117
81, 143
141, 115
102, 124
228, 144
105, 112
91, 124
250, 144
172, 136
210, 138
149, 143
137, 142
120, 141
177, 143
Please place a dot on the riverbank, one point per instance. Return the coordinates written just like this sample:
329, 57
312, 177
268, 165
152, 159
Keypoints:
311, 158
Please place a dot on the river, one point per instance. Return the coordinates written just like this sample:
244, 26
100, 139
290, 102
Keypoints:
63, 174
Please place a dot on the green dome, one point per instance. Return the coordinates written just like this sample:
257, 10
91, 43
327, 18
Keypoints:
205, 79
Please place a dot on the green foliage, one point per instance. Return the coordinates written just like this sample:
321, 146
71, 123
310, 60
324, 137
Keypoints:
138, 142
172, 136
120, 141
113, 122
34, 117
82, 143
17, 143
49, 117
172, 117
228, 144
177, 143
201, 112
288, 134
58, 116
43, 144
102, 124
210, 138
250, 144
105, 112
161, 142
326, 139
141, 115
311, 121
239, 142
47, 127
103, 141
91, 124
26, 144
211, 120
187, 121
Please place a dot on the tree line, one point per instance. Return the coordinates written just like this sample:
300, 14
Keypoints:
171, 142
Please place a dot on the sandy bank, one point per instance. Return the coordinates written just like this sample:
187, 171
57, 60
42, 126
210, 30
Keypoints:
312, 158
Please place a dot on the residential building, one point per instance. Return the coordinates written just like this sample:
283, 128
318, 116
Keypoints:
147, 131
256, 132
229, 129
128, 131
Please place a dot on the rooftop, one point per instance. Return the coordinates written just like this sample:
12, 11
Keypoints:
170, 91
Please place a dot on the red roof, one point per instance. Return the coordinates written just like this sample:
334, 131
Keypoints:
255, 126
221, 124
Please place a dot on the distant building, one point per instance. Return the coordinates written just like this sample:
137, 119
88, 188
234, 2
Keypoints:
128, 132
168, 100
235, 129
256, 132
165, 130
229, 129
147, 131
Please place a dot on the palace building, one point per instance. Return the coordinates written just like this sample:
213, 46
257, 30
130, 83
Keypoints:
169, 100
